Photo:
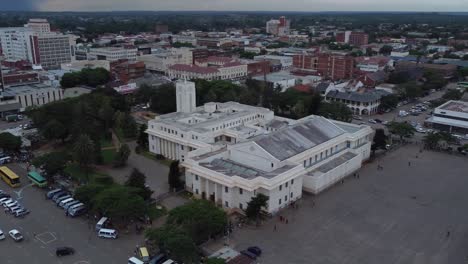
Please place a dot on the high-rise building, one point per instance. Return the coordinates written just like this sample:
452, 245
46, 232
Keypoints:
37, 44
335, 66
38, 25
53, 50
279, 27
352, 38
16, 43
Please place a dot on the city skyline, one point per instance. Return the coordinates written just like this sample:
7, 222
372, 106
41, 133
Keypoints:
227, 5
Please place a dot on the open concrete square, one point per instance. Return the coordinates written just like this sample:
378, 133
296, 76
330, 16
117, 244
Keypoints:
412, 211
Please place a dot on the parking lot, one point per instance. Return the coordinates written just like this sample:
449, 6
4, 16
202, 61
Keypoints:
412, 211
47, 228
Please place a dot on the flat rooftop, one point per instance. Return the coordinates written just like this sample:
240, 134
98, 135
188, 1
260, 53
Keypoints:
455, 106
232, 168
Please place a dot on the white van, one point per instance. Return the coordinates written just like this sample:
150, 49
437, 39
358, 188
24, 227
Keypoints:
101, 223
107, 233
68, 205
134, 260
75, 206
64, 202
62, 198
169, 261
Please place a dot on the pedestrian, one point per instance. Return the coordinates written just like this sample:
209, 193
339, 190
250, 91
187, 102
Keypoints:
274, 228
286, 221
66, 213
448, 234
342, 181
409, 163
358, 175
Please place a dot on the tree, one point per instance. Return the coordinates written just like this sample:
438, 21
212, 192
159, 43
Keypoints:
163, 99
52, 163
200, 219
106, 114
386, 50
54, 130
120, 202
431, 140
174, 242
122, 156
174, 175
453, 95
10, 142
401, 129
87, 193
142, 140
83, 152
389, 102
138, 180
336, 110
97, 154
254, 207
410, 90
380, 140
399, 77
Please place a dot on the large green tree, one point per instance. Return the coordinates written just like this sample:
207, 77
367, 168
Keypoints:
335, 110
120, 202
254, 207
138, 180
121, 158
10, 142
401, 129
380, 140
83, 150
201, 219
175, 242
174, 175
52, 163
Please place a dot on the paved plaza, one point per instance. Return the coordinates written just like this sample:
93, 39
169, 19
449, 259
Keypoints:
402, 214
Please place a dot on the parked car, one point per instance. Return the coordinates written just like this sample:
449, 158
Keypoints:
249, 254
16, 235
64, 251
372, 121
21, 213
2, 236
255, 250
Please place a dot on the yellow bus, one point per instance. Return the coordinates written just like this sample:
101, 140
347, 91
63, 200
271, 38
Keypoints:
9, 177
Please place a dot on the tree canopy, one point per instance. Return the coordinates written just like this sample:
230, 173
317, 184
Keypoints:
254, 207
89, 77
401, 129
10, 142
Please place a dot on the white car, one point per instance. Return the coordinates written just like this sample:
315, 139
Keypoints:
2, 236
16, 235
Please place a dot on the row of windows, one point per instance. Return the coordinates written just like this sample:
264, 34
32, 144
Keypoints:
285, 198
234, 123
285, 185
318, 158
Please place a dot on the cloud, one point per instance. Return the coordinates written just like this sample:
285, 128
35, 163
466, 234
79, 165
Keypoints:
248, 5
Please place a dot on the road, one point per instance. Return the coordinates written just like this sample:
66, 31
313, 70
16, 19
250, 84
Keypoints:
47, 227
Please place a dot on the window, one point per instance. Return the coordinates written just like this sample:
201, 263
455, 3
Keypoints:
196, 177
291, 195
286, 185
182, 147
326, 153
182, 135
305, 162
285, 198
321, 155
196, 191
241, 206
292, 181
280, 187
272, 165
226, 189
279, 201
241, 191
226, 204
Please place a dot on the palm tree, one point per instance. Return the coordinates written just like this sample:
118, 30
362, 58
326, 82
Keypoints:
83, 152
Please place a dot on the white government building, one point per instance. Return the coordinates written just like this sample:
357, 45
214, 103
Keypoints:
231, 152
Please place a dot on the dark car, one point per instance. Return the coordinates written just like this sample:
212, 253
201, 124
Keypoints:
4, 195
255, 250
64, 251
158, 259
249, 254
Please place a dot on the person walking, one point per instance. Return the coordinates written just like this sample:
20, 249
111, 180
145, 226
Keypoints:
409, 163
274, 228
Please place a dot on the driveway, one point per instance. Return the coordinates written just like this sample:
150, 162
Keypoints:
156, 173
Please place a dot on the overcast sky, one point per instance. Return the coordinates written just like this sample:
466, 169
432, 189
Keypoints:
241, 5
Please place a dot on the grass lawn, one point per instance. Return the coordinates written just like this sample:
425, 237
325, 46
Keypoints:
108, 155
79, 175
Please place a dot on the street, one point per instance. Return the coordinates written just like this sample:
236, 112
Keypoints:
47, 228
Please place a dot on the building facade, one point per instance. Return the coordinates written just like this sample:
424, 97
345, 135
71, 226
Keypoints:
335, 66
232, 152
161, 61
34, 95
17, 44
451, 117
113, 53
53, 49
